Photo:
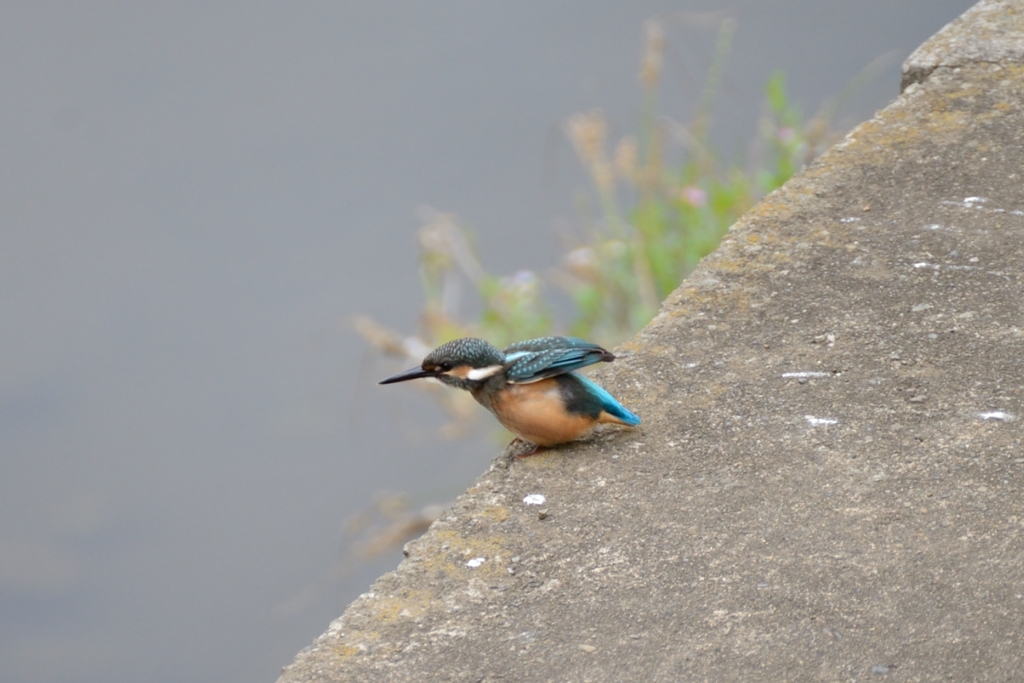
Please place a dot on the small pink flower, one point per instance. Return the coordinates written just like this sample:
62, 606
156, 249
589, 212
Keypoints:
786, 135
694, 196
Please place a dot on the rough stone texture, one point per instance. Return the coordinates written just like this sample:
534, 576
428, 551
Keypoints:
828, 481
992, 31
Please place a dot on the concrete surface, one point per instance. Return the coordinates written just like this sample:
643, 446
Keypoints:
828, 481
988, 32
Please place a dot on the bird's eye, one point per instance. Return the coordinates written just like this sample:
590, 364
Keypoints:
444, 367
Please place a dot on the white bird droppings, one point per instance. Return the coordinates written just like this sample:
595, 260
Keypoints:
476, 562
1000, 415
534, 499
820, 421
806, 374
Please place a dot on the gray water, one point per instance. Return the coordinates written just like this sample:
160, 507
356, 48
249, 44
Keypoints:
197, 197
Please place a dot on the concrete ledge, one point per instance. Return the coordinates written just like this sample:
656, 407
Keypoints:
827, 484
990, 32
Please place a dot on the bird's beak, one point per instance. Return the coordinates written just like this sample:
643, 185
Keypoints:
411, 373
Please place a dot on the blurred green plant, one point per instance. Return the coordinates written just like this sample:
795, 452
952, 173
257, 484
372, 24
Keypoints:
654, 220
674, 213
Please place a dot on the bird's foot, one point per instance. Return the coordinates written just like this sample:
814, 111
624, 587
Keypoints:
516, 441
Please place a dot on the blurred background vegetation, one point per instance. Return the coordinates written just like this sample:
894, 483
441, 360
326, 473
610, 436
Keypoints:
660, 199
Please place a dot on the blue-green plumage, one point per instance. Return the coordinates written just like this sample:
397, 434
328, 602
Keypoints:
530, 386
534, 359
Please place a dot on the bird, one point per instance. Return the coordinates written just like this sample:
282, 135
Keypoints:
531, 386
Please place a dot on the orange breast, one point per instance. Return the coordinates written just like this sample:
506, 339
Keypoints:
535, 412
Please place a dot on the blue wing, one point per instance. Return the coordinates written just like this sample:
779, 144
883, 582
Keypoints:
534, 359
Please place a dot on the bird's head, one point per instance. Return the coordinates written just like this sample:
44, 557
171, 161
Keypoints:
463, 363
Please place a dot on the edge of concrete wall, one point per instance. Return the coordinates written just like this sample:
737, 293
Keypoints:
987, 32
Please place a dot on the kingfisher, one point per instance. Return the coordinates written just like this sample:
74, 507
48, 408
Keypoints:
530, 386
